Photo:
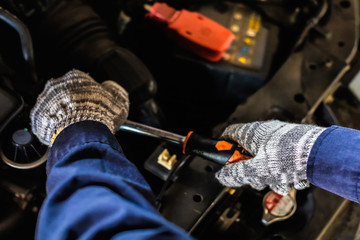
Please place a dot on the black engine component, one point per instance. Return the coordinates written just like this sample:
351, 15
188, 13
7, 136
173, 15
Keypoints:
25, 39
77, 37
22, 150
306, 55
10, 106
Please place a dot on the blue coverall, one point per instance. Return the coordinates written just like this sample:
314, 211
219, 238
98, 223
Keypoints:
94, 192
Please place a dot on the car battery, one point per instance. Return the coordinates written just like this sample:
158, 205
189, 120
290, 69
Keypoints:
246, 65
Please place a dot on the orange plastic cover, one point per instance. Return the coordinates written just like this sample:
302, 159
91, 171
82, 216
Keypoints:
200, 34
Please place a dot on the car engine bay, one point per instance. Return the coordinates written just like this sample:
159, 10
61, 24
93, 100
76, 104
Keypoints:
292, 60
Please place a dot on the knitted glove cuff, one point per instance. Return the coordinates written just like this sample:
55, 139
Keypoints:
86, 114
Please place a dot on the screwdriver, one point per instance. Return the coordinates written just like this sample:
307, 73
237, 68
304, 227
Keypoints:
218, 151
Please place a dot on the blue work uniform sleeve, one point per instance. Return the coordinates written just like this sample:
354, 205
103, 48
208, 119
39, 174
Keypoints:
94, 192
334, 162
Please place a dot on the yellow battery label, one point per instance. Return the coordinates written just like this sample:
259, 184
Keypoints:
254, 25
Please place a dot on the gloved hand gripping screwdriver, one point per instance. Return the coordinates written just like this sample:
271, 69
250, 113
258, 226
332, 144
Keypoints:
218, 151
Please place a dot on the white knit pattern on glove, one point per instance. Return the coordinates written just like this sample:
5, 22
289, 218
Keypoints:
280, 151
76, 97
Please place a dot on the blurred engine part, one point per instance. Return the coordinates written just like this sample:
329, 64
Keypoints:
73, 33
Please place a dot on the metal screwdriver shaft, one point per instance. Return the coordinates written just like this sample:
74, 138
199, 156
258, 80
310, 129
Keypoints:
142, 129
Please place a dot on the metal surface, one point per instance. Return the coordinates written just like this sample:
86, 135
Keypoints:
345, 221
22, 150
142, 129
18, 165
225, 221
286, 205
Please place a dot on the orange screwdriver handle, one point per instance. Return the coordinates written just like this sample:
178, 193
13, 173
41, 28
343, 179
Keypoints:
218, 151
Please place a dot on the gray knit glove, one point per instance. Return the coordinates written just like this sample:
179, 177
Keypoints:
280, 151
76, 97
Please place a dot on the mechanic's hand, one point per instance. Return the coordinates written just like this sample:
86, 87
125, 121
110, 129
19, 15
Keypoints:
76, 97
280, 151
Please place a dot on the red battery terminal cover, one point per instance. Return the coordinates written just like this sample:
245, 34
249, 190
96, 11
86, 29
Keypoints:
193, 31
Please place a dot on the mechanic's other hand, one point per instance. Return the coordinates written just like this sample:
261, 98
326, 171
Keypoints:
76, 97
280, 151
